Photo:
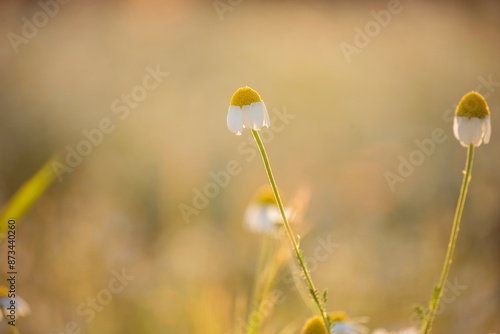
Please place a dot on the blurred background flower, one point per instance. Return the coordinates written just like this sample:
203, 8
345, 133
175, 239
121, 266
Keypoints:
19, 308
262, 214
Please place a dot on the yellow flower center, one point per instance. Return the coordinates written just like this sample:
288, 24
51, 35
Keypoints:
264, 196
314, 325
339, 316
472, 105
244, 97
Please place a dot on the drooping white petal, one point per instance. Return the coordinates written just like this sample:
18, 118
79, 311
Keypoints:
230, 119
247, 121
238, 121
252, 116
487, 129
464, 131
235, 119
267, 122
256, 115
477, 132
455, 127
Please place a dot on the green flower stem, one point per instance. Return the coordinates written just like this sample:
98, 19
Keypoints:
451, 246
298, 253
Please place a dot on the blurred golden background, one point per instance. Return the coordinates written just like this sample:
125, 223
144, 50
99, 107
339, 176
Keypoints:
352, 117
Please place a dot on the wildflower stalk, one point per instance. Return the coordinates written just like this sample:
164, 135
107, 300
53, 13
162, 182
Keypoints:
314, 293
438, 292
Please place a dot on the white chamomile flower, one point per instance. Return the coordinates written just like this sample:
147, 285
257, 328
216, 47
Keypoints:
345, 325
246, 110
21, 306
262, 214
472, 123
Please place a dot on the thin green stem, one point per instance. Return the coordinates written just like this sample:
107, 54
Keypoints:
298, 253
438, 292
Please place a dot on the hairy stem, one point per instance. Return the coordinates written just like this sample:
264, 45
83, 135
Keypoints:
298, 253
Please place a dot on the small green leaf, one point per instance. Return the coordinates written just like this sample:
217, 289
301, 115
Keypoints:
420, 311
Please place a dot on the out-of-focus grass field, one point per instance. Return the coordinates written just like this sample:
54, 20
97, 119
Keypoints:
119, 208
